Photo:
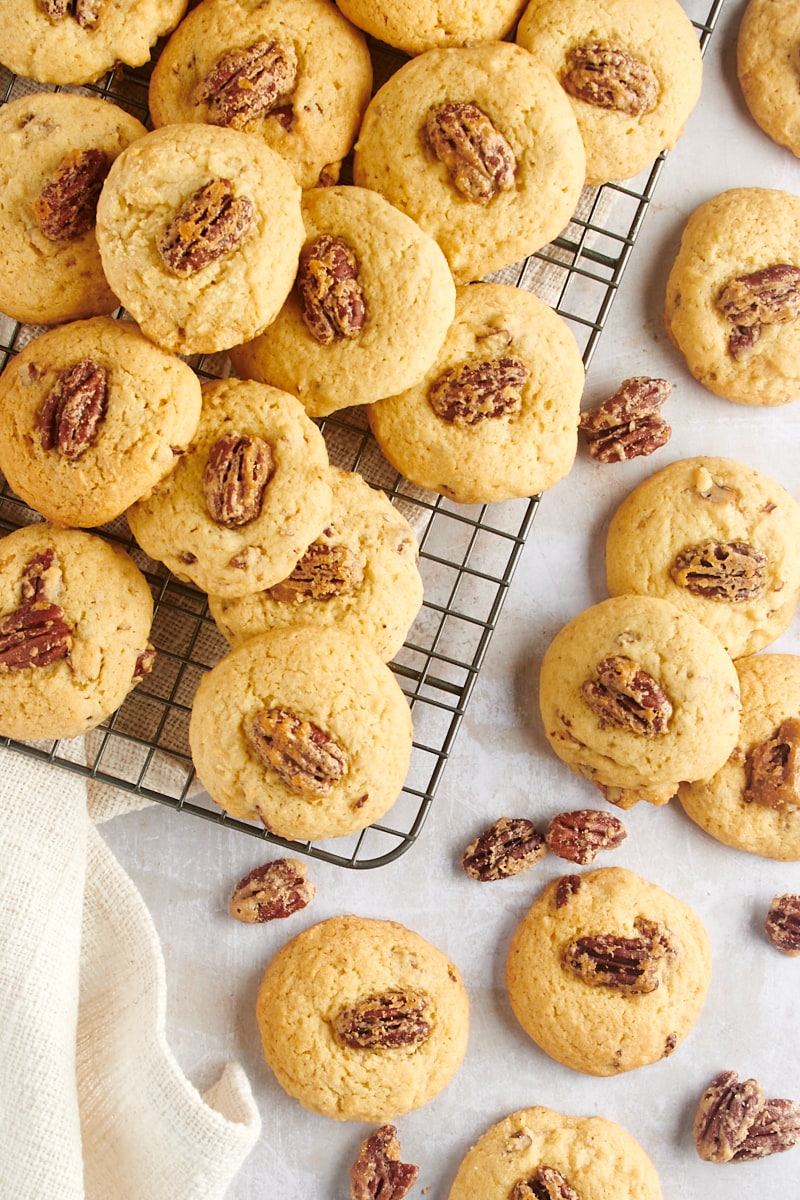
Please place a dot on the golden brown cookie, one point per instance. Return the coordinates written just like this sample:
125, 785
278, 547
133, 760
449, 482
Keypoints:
414, 28
766, 64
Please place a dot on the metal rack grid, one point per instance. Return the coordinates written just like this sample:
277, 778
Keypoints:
468, 554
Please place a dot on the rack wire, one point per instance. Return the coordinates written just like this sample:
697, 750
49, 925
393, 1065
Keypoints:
468, 554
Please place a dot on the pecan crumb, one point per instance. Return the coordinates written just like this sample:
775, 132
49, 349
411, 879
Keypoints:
272, 891
579, 836
508, 846
629, 424
378, 1173
783, 924
566, 887
773, 769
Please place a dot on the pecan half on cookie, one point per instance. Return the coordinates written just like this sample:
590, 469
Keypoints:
607, 76
66, 207
478, 391
70, 418
306, 758
478, 157
248, 82
626, 696
332, 297
770, 296
210, 224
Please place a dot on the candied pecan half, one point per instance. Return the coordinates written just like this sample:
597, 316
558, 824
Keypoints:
236, 475
66, 207
210, 224
770, 296
603, 74
783, 924
477, 391
724, 1115
332, 298
625, 695
384, 1021
34, 635
632, 965
566, 888
70, 418
731, 571
272, 891
629, 424
546, 1183
321, 574
306, 758
776, 1128
508, 846
248, 82
378, 1173
478, 158
773, 769
41, 579
580, 835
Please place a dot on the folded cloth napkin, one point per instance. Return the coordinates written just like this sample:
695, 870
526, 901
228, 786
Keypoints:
93, 1105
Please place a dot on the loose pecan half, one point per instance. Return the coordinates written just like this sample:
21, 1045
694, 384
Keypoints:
632, 965
378, 1173
306, 758
773, 769
327, 280
34, 635
478, 158
731, 571
776, 1128
66, 207
236, 475
508, 846
70, 418
210, 224
272, 891
477, 391
546, 1183
248, 82
770, 296
603, 74
384, 1021
724, 1116
629, 424
579, 836
625, 695
322, 573
783, 924
87, 13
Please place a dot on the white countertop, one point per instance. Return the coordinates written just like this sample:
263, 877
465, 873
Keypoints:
501, 765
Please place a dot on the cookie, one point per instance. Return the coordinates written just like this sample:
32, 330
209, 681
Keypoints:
479, 144
635, 693
292, 72
200, 230
607, 972
362, 1019
733, 296
305, 729
718, 540
496, 415
246, 500
374, 331
55, 152
54, 41
555, 1155
76, 616
766, 51
414, 28
753, 801
92, 417
361, 575
632, 70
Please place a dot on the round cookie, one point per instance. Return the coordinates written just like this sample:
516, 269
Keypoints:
92, 417
361, 575
766, 53
731, 298
75, 617
55, 151
56, 42
591, 1156
309, 999
607, 972
305, 729
628, 108
753, 801
247, 499
520, 194
399, 280
200, 230
414, 28
293, 72
635, 693
496, 415
718, 540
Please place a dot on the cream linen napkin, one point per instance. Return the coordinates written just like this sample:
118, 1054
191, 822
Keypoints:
92, 1102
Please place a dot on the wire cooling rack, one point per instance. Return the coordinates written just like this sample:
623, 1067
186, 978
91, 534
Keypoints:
468, 554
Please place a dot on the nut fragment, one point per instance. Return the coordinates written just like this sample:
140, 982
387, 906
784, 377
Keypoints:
210, 224
237, 472
508, 846
70, 418
34, 635
632, 965
770, 296
546, 1183
306, 758
625, 695
87, 13
322, 573
724, 1115
378, 1173
773, 769
248, 82
783, 924
566, 888
66, 207
384, 1021
275, 890
731, 571
41, 579
145, 661
580, 835
473, 392
629, 424
327, 280
602, 74
478, 158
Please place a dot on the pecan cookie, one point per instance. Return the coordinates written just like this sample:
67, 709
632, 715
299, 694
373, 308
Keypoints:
631, 68
732, 303
479, 144
718, 540
635, 694
200, 230
369, 310
55, 152
414, 28
753, 801
607, 972
248, 497
766, 60
292, 72
361, 574
304, 729
75, 617
496, 414
362, 1019
92, 417
537, 1152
